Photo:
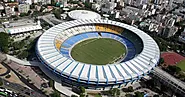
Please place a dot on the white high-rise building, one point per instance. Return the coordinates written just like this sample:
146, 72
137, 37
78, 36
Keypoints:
170, 3
9, 11
29, 1
23, 8
128, 1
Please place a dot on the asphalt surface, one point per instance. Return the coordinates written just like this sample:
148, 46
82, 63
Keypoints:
7, 72
21, 90
26, 82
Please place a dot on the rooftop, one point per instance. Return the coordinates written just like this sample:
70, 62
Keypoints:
83, 14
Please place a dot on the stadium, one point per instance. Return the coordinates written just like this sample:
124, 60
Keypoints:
97, 54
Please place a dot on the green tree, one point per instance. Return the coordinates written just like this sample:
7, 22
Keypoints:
8, 76
29, 12
161, 61
118, 7
13, 16
55, 94
53, 2
82, 95
74, 96
130, 89
1, 82
114, 91
118, 92
156, 95
51, 83
57, 13
4, 40
128, 95
174, 69
23, 54
32, 6
88, 5
139, 94
82, 89
97, 95
23, 14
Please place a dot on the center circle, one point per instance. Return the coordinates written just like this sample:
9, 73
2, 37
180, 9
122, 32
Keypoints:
99, 51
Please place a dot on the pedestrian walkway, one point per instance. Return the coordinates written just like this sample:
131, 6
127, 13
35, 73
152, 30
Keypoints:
178, 84
63, 90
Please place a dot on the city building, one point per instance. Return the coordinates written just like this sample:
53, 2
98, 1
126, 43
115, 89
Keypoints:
23, 8
21, 26
96, 7
9, 11
29, 1
182, 37
170, 3
1, 9
169, 31
44, 2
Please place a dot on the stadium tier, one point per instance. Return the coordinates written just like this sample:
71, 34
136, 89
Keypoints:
108, 28
55, 45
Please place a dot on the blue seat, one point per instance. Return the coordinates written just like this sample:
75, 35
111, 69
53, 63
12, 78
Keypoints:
113, 36
66, 45
105, 35
96, 34
64, 52
69, 41
84, 35
92, 35
76, 38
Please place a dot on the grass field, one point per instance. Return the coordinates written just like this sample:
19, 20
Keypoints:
181, 65
99, 51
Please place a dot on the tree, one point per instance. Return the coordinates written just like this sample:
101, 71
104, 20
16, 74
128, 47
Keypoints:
55, 94
161, 61
174, 69
23, 14
114, 91
128, 95
57, 13
118, 7
13, 16
74, 96
139, 94
118, 92
23, 54
97, 95
1, 82
32, 6
82, 89
4, 39
130, 89
53, 2
8, 76
82, 95
156, 95
29, 12
51, 83
88, 5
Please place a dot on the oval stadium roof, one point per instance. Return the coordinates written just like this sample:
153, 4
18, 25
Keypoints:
95, 74
83, 14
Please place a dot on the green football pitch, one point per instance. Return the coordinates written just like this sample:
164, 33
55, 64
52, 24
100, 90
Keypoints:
99, 51
181, 65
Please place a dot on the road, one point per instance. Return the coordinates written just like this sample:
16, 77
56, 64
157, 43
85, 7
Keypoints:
24, 80
19, 89
57, 79
7, 72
